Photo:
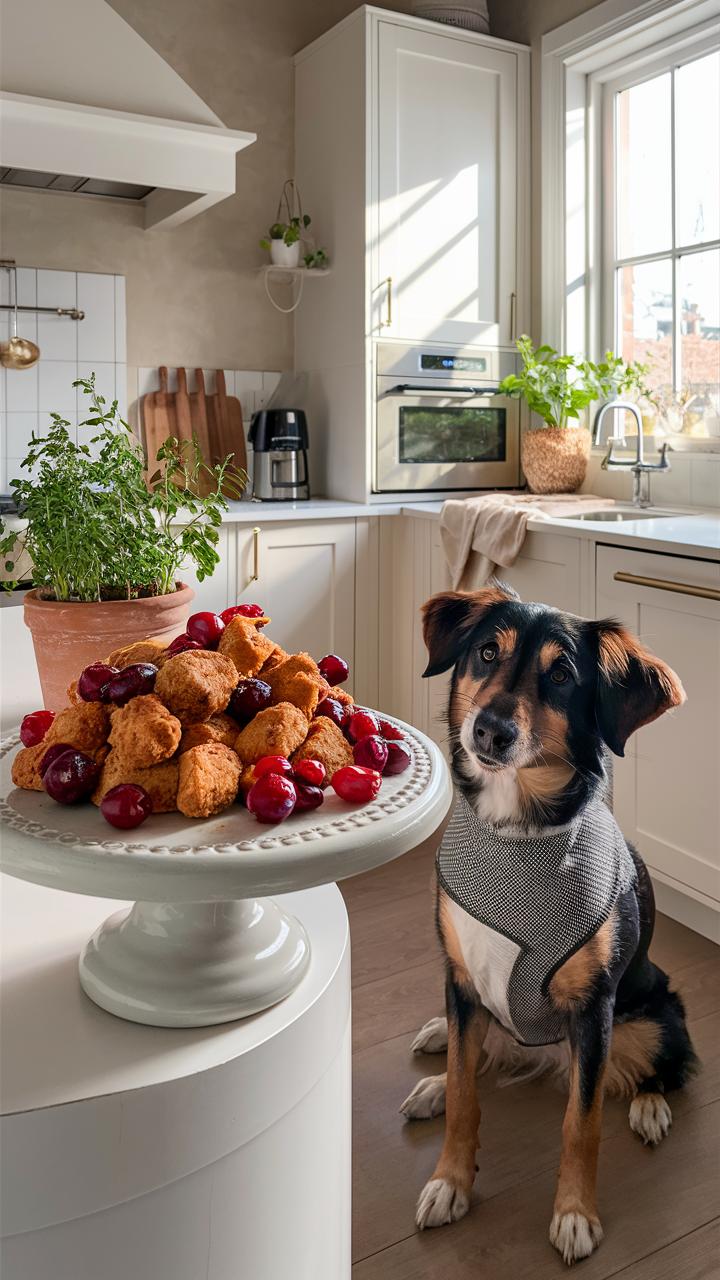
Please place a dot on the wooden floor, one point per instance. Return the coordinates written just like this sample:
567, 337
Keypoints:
660, 1208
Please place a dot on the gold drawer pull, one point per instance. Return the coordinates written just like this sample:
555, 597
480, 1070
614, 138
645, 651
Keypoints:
256, 556
664, 584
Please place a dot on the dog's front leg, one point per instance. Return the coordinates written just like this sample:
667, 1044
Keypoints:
446, 1197
575, 1229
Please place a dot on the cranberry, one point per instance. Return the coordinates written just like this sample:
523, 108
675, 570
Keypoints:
206, 628
398, 760
272, 764
334, 710
362, 724
310, 771
389, 732
181, 644
138, 678
272, 798
372, 752
94, 680
307, 797
70, 777
244, 611
333, 669
52, 753
249, 697
35, 726
355, 784
126, 805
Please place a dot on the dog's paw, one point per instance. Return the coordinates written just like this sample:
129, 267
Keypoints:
650, 1117
575, 1236
432, 1038
426, 1100
440, 1203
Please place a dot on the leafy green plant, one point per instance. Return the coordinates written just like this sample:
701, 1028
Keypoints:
96, 527
289, 232
316, 261
558, 388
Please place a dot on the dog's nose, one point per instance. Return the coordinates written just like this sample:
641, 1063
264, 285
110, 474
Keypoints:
493, 734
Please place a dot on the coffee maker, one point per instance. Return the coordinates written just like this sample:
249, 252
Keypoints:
279, 439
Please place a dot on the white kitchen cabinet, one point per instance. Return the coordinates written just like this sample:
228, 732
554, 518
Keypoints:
216, 592
667, 790
550, 570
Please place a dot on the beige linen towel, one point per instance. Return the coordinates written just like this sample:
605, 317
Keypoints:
480, 535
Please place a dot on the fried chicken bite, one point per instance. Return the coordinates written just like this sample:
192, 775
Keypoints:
325, 742
248, 647
139, 651
277, 656
296, 679
144, 732
219, 728
209, 777
276, 731
196, 684
160, 781
84, 725
26, 767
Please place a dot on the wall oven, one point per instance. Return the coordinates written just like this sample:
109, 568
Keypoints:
440, 424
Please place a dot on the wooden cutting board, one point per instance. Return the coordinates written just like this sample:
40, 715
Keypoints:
159, 418
225, 427
199, 420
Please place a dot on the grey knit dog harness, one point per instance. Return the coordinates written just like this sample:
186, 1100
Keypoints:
547, 894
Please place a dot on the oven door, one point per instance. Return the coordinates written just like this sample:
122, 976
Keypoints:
444, 437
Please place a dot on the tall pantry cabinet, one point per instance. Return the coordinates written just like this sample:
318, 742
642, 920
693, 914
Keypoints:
412, 158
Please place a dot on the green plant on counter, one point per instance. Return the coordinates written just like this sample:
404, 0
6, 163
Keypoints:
96, 528
559, 388
289, 232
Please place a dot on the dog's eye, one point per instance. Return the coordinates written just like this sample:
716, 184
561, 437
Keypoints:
559, 675
489, 652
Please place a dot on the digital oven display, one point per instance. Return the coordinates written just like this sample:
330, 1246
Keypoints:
457, 364
451, 434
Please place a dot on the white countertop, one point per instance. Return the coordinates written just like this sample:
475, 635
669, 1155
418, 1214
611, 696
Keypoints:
248, 512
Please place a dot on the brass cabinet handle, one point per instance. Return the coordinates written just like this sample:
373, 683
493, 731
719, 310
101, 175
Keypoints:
386, 323
256, 555
664, 584
513, 300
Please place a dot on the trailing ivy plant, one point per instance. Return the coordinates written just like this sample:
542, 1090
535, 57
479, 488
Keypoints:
97, 528
558, 388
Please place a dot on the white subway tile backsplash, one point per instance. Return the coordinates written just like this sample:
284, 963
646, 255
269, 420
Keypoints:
104, 382
21, 390
56, 393
18, 428
27, 297
121, 389
96, 333
270, 382
120, 323
148, 381
57, 336
247, 381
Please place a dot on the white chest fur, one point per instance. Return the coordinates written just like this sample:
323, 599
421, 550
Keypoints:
489, 958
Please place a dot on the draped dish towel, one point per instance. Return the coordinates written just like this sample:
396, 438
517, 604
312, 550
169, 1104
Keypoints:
480, 535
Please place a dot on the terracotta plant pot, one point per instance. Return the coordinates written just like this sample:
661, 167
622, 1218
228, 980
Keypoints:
67, 637
555, 459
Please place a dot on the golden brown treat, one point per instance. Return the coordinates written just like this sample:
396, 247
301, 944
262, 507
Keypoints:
341, 695
325, 742
209, 777
248, 647
84, 725
296, 679
277, 656
219, 728
73, 696
247, 779
139, 651
160, 781
276, 731
144, 732
195, 685
26, 767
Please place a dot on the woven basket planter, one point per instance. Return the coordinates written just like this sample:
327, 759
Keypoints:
555, 459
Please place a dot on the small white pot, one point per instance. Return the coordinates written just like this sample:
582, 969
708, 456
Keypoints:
285, 255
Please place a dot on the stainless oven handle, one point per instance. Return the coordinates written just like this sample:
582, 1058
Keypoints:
409, 388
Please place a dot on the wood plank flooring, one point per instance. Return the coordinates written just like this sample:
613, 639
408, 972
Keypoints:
660, 1208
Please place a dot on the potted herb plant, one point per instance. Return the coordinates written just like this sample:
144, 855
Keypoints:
284, 241
106, 539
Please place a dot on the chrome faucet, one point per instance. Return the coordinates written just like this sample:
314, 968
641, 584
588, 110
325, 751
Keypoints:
640, 468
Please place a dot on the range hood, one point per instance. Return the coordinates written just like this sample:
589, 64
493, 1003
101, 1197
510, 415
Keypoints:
87, 106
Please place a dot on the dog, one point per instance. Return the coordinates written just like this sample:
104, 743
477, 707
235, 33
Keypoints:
544, 913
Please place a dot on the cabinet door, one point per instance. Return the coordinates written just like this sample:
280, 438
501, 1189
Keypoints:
446, 199
666, 793
548, 571
214, 593
305, 582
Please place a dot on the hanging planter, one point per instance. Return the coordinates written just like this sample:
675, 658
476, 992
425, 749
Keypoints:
289, 247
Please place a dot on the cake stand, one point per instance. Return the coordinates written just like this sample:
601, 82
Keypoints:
203, 943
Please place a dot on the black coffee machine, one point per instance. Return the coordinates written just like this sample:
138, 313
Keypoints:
279, 440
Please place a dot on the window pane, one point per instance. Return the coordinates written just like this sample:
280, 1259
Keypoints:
644, 220
646, 318
697, 150
699, 299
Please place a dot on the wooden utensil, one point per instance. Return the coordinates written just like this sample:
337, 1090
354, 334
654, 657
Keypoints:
225, 427
183, 415
198, 414
158, 417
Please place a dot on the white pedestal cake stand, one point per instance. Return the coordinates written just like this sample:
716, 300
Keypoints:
203, 944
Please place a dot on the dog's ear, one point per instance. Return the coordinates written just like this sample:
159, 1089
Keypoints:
634, 687
449, 619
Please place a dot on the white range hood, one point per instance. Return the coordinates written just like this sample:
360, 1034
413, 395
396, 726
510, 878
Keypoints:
87, 106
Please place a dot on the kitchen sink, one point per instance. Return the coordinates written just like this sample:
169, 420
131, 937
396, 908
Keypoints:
609, 516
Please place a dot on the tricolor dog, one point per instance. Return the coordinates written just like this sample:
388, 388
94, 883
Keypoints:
545, 913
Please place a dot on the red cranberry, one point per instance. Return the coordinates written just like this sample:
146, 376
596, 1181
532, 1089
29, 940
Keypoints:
333, 669
273, 764
334, 710
94, 680
389, 732
181, 644
307, 797
243, 611
272, 798
355, 784
249, 697
126, 805
371, 752
206, 628
398, 760
138, 678
35, 726
362, 724
71, 777
52, 753
310, 771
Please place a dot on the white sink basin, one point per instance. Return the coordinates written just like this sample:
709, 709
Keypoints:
610, 515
